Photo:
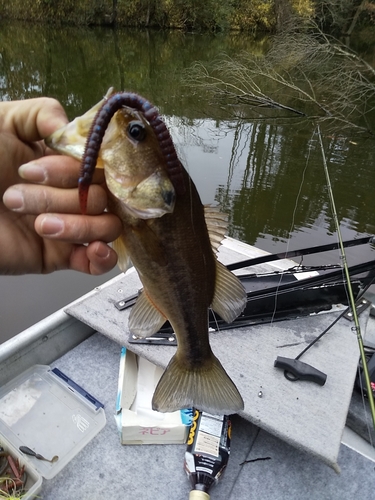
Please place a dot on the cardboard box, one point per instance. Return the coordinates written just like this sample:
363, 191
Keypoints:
137, 422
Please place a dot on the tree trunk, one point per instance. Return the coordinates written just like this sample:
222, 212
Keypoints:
114, 11
355, 18
284, 14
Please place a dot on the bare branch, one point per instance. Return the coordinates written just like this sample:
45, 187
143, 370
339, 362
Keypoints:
306, 74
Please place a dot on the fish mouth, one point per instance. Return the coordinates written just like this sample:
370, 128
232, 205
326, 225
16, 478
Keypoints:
67, 141
151, 198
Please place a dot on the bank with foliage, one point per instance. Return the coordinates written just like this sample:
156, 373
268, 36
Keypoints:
266, 15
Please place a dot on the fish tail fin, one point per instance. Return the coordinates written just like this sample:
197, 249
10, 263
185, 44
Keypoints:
207, 388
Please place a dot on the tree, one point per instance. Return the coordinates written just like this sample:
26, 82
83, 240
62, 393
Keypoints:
303, 74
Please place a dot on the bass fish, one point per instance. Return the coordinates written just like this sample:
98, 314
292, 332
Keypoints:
169, 239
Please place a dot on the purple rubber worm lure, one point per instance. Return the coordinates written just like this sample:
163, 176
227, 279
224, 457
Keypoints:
96, 134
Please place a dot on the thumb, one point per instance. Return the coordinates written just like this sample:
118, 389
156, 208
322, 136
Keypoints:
34, 119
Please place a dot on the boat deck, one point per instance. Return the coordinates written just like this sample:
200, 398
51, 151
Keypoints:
261, 464
105, 467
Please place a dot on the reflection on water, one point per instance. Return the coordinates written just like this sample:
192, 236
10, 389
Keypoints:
267, 176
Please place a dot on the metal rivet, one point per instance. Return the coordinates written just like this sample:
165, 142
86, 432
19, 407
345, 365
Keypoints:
120, 290
260, 394
122, 303
171, 339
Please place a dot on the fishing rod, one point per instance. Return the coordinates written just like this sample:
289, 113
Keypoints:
357, 327
298, 253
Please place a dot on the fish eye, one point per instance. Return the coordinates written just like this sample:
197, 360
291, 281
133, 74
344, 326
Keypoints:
136, 130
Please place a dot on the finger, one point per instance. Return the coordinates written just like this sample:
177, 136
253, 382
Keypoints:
35, 119
78, 228
56, 171
33, 199
97, 258
102, 258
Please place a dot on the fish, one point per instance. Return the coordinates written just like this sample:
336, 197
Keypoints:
169, 237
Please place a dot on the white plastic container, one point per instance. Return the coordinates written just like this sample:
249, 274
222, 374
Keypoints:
48, 412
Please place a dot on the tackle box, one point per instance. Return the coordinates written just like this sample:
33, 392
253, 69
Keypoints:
48, 412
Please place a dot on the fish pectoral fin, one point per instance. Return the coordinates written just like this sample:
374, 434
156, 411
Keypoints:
144, 318
217, 223
230, 295
207, 387
123, 262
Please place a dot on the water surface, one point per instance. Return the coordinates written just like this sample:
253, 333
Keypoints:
267, 176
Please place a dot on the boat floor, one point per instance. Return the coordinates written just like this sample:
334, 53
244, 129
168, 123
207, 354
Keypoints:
261, 465
105, 467
295, 412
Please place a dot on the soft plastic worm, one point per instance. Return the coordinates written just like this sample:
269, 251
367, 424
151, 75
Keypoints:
99, 126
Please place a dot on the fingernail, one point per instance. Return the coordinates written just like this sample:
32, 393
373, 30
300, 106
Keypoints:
32, 172
51, 225
103, 251
13, 199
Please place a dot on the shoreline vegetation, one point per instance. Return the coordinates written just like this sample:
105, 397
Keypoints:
195, 15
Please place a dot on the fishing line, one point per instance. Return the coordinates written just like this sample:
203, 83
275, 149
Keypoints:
357, 327
215, 319
291, 227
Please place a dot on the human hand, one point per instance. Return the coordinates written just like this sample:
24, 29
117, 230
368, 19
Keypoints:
41, 227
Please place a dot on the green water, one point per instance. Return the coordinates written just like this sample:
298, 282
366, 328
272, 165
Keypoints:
267, 176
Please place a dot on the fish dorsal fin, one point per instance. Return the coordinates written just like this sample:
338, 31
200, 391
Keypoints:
230, 295
144, 318
124, 262
217, 223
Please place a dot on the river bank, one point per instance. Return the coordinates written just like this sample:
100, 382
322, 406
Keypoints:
212, 15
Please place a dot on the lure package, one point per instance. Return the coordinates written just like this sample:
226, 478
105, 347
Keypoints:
207, 453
